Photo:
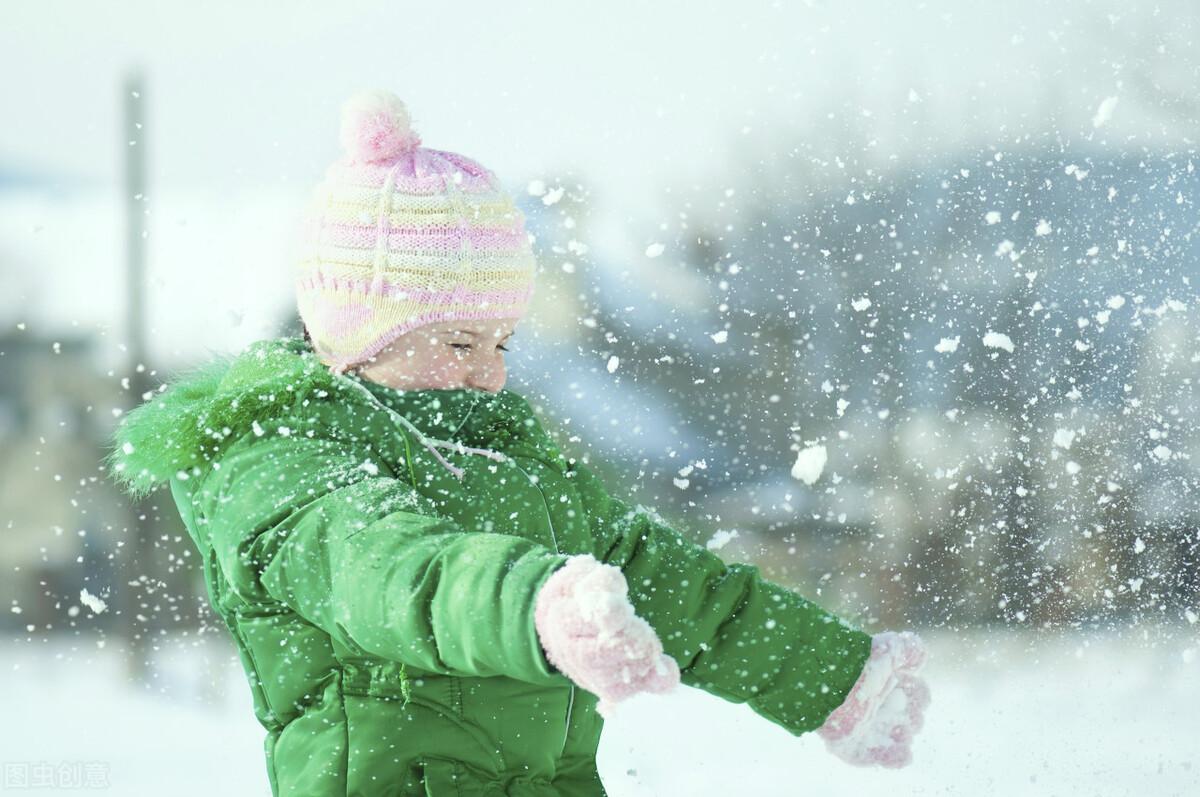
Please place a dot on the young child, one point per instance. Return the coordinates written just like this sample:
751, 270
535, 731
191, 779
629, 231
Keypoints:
427, 596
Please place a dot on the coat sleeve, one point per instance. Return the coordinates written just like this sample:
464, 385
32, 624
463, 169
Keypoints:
325, 528
733, 633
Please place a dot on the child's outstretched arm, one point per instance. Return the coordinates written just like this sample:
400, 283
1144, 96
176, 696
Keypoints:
747, 639
325, 528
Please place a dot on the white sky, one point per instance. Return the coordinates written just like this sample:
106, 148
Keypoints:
633, 96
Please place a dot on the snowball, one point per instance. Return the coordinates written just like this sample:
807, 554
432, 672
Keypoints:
809, 464
1139, 545
1162, 452
992, 217
720, 337
1043, 228
613, 362
1073, 467
998, 340
654, 250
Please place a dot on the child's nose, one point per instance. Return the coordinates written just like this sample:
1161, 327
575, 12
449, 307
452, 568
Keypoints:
488, 377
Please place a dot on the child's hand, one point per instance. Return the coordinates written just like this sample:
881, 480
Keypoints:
876, 723
589, 631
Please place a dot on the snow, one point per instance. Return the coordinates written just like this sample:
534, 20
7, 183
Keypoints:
998, 340
97, 605
809, 464
946, 345
654, 250
860, 304
720, 539
1162, 452
992, 217
613, 362
1064, 437
1043, 228
720, 337
1116, 302
1012, 713
1104, 112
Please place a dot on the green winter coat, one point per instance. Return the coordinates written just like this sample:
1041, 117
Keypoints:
383, 607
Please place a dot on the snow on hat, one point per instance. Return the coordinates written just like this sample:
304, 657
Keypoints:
398, 235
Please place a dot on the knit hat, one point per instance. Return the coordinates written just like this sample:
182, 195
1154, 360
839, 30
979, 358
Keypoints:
398, 235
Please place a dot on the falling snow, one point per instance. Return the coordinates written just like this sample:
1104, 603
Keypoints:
89, 600
1104, 112
946, 345
998, 340
809, 464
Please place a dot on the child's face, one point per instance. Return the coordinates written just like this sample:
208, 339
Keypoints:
446, 355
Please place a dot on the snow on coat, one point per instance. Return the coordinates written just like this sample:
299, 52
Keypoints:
376, 553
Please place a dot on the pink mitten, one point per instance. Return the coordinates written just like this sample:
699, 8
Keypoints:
588, 630
876, 723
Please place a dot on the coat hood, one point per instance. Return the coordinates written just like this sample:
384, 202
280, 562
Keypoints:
198, 411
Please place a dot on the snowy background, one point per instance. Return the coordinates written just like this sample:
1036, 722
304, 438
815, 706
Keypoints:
898, 303
1105, 716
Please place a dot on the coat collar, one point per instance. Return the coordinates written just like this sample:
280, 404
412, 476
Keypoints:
502, 421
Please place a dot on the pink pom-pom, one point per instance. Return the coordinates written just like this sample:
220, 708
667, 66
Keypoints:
376, 126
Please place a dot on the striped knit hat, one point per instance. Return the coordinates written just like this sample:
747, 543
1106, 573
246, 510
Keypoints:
399, 235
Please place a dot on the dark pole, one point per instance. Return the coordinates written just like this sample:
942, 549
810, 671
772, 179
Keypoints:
137, 568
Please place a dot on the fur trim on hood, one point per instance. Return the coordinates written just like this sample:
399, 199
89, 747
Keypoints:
202, 409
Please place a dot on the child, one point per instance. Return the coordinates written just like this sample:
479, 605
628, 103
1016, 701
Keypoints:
427, 596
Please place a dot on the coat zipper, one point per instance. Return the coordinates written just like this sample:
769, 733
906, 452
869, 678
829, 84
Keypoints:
554, 538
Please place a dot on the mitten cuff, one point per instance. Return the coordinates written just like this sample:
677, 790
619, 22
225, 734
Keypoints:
885, 708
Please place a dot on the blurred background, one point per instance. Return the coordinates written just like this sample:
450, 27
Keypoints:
954, 244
